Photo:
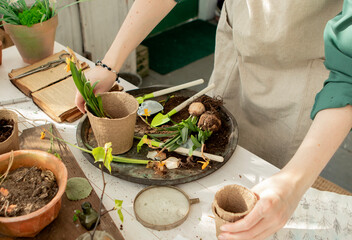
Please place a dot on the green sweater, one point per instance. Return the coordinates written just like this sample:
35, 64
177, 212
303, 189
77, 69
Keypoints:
337, 90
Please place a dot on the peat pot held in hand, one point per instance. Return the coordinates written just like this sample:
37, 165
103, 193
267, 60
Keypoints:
231, 203
119, 129
36, 42
8, 131
31, 224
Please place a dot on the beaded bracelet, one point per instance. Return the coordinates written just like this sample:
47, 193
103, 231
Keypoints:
101, 64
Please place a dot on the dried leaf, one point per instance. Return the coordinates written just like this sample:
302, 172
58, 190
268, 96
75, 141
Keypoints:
11, 208
4, 192
42, 135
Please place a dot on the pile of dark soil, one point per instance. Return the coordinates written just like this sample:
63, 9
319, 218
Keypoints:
6, 128
26, 190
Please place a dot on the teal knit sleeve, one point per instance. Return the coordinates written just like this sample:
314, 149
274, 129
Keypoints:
337, 90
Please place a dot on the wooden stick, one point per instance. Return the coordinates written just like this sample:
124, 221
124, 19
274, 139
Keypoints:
184, 151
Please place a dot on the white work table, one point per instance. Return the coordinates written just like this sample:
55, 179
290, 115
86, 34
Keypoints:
320, 215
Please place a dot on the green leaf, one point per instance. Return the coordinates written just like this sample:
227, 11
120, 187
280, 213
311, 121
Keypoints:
57, 155
77, 188
173, 147
75, 215
141, 143
171, 141
191, 126
190, 152
99, 156
195, 142
76, 77
118, 204
179, 141
94, 84
118, 207
119, 212
184, 134
201, 136
100, 106
161, 135
108, 159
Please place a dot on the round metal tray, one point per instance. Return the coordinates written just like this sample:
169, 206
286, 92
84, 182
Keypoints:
141, 174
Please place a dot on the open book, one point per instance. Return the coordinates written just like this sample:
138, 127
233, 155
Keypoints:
53, 90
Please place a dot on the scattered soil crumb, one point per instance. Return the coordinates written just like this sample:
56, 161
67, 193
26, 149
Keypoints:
29, 189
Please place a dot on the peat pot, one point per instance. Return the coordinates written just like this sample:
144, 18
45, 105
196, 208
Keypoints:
31, 224
12, 142
119, 129
231, 203
36, 42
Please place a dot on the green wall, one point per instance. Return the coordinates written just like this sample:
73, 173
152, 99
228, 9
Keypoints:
182, 12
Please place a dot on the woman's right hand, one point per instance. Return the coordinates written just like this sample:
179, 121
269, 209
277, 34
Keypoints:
106, 80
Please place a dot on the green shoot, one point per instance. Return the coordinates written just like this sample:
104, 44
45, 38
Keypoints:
76, 213
93, 102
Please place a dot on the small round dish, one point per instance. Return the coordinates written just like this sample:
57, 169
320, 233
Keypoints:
162, 207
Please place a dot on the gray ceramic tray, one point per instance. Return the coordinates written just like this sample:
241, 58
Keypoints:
141, 174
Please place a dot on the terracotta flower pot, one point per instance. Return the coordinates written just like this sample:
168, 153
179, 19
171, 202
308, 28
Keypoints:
36, 42
119, 130
12, 142
231, 203
31, 224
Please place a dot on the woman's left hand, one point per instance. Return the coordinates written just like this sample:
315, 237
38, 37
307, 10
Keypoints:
278, 198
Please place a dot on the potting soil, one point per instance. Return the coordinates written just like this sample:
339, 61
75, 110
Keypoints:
26, 190
6, 127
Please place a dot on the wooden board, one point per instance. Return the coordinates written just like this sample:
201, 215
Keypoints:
63, 227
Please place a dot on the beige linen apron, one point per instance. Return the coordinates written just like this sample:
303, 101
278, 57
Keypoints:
268, 68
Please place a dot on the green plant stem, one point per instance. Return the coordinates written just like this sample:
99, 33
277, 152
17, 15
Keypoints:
107, 211
114, 159
101, 198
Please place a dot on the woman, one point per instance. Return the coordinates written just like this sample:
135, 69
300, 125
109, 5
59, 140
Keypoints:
268, 68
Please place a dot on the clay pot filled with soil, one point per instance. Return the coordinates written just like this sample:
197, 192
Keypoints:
8, 131
119, 129
231, 203
30, 195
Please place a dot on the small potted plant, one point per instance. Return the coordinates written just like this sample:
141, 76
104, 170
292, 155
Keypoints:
112, 115
43, 177
8, 131
31, 28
